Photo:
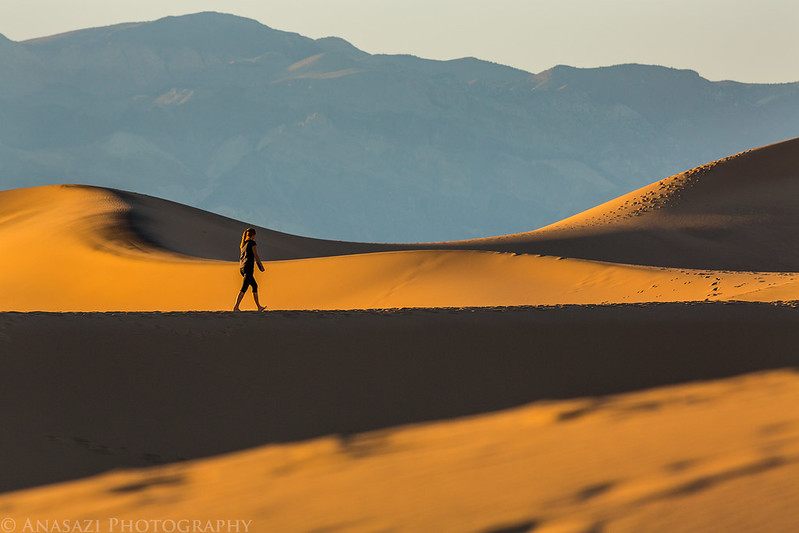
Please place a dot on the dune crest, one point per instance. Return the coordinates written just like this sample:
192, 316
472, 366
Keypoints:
738, 213
726, 230
496, 408
70, 247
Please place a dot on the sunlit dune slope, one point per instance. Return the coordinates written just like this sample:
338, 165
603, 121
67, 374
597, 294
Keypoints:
659, 417
641, 462
541, 417
72, 248
80, 248
739, 213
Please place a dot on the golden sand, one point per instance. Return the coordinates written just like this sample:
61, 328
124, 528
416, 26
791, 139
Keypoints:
658, 391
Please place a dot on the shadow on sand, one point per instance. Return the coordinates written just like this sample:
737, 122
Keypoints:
83, 393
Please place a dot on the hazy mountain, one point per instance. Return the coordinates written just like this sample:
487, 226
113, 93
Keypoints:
320, 138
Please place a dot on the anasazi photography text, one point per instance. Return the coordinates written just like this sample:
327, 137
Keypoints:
122, 525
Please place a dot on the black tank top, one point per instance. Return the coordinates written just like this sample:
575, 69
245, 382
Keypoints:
247, 259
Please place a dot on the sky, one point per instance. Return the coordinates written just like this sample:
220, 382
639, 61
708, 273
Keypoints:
742, 40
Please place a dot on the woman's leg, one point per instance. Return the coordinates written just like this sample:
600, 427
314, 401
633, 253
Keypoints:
238, 301
254, 286
255, 297
246, 282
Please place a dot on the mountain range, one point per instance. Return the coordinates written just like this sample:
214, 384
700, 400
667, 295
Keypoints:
318, 138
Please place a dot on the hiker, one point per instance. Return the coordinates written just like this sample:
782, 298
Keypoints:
247, 262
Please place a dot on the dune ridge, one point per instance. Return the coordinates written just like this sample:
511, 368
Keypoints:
632, 368
723, 231
737, 213
732, 214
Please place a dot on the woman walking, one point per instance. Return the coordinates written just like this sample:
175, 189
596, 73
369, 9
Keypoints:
249, 257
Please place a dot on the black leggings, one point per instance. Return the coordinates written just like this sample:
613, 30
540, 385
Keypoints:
249, 279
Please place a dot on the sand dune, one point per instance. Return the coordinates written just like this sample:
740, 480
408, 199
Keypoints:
197, 233
645, 418
723, 231
631, 368
738, 213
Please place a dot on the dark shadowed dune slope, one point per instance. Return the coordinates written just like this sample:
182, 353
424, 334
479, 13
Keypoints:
738, 213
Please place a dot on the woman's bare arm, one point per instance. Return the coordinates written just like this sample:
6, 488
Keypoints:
257, 259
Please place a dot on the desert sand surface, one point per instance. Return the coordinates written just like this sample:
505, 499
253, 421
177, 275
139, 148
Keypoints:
725, 231
738, 213
654, 417
632, 368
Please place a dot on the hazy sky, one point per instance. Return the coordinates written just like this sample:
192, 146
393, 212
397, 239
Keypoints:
744, 40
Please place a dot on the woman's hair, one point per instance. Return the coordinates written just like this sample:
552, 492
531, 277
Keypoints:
248, 233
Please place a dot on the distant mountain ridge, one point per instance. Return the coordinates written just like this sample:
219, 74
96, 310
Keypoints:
319, 138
